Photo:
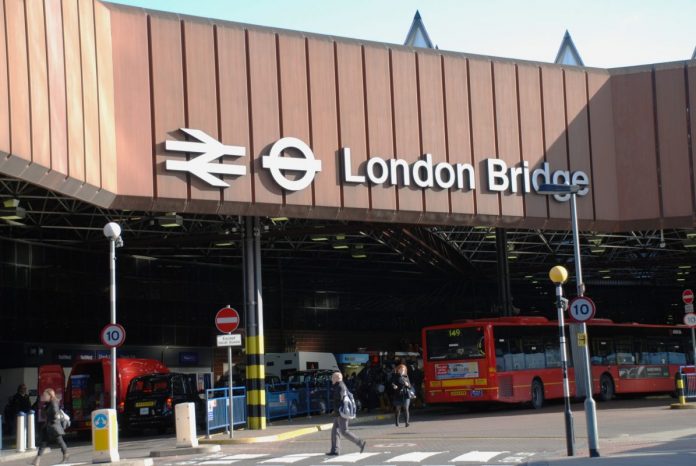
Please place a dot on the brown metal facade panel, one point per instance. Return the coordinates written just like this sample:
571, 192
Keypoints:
379, 121
603, 177
579, 136
634, 136
531, 134
458, 130
234, 112
265, 125
201, 108
4, 97
324, 115
38, 91
105, 83
432, 123
351, 115
18, 72
406, 126
90, 93
690, 72
132, 113
167, 89
673, 146
508, 137
553, 102
294, 103
56, 86
483, 133
73, 92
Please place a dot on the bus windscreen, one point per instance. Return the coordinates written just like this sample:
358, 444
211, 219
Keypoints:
455, 343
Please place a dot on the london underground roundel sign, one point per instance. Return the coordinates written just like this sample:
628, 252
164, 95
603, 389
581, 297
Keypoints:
581, 309
227, 320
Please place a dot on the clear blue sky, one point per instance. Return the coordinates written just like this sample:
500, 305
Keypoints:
606, 33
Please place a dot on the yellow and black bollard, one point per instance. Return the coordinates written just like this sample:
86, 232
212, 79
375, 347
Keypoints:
680, 395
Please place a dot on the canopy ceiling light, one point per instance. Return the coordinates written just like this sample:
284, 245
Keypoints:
11, 210
170, 220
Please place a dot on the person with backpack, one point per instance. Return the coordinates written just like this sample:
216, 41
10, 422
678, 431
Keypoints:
343, 410
52, 430
402, 393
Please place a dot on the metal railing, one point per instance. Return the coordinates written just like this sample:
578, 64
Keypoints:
217, 413
687, 376
283, 400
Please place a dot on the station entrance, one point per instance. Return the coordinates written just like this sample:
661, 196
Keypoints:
346, 194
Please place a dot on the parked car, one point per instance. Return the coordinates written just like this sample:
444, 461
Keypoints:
151, 399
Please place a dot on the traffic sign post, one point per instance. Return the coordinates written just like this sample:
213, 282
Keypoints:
113, 335
581, 309
227, 321
690, 317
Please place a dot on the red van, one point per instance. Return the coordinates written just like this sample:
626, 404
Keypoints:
89, 385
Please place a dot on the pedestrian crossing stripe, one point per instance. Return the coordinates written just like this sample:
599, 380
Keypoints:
244, 456
350, 458
294, 458
414, 456
481, 456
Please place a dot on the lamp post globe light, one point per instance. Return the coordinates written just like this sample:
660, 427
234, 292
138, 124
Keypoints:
560, 193
112, 231
559, 275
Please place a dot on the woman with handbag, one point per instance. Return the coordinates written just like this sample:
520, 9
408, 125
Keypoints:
52, 430
402, 393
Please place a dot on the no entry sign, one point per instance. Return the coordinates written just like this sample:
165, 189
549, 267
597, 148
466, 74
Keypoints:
688, 296
227, 320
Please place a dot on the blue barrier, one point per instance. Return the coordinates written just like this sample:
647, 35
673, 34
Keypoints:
284, 400
217, 412
288, 400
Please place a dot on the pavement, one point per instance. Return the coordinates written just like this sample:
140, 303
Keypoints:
284, 429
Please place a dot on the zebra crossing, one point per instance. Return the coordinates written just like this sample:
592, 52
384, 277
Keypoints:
372, 458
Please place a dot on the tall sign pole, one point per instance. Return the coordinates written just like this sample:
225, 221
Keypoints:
113, 232
689, 317
227, 321
558, 276
590, 406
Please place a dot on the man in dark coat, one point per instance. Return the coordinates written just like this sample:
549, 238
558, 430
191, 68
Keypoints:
340, 424
19, 403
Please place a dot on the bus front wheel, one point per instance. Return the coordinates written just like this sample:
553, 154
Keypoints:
606, 387
537, 394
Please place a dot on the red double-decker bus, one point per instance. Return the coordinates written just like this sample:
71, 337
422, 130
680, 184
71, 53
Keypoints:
518, 360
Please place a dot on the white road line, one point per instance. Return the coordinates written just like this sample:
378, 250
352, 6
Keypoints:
218, 462
292, 458
517, 457
350, 458
414, 456
244, 456
476, 455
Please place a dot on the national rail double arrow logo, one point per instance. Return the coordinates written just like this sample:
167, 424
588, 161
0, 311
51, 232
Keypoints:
201, 166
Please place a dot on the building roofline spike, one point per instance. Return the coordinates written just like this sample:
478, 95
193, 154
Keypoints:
693, 55
417, 32
567, 45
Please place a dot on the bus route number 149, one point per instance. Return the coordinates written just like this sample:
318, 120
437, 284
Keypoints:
581, 309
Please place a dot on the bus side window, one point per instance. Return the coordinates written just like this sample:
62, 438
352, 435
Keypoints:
501, 349
602, 351
624, 354
534, 354
552, 351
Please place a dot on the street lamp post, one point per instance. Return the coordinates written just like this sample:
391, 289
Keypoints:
558, 276
113, 232
563, 190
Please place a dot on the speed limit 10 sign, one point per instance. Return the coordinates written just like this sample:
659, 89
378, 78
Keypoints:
581, 309
113, 335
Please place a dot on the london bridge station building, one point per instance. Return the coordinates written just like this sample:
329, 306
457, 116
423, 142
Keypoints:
370, 188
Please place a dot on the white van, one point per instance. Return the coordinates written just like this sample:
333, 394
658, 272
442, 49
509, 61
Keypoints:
285, 364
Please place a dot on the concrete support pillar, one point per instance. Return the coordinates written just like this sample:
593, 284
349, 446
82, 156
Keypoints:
504, 292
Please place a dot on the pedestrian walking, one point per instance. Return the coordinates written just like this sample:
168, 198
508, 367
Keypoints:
52, 430
402, 392
340, 424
